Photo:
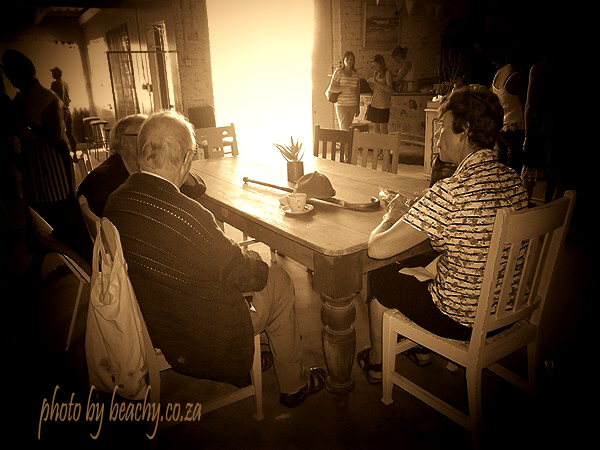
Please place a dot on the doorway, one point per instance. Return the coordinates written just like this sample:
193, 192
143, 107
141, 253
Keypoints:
261, 68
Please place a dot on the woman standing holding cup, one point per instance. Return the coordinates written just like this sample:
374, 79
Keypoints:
378, 111
345, 80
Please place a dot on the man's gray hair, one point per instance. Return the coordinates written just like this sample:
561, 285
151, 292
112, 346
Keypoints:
164, 139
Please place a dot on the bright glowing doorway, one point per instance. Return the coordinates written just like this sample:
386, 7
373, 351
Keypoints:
261, 68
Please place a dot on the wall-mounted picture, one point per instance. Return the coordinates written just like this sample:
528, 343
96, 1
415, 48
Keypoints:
380, 26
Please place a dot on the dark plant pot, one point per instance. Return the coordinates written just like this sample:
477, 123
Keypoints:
295, 169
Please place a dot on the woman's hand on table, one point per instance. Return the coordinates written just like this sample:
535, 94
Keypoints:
396, 209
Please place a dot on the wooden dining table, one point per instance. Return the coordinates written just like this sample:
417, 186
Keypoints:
330, 240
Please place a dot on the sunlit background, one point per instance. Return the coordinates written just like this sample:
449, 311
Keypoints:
261, 68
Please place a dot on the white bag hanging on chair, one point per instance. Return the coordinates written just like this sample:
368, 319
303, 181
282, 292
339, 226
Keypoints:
114, 343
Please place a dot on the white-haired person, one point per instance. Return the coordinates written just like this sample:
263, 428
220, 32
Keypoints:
122, 162
190, 279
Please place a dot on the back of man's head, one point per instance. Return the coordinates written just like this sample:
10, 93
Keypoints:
18, 68
123, 139
163, 141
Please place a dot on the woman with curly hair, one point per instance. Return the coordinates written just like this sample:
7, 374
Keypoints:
457, 216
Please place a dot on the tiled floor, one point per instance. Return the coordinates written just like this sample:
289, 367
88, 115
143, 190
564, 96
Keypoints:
37, 318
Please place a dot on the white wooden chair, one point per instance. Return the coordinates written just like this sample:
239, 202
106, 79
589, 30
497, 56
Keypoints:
386, 144
81, 159
543, 229
393, 149
332, 144
78, 265
157, 363
217, 141
91, 219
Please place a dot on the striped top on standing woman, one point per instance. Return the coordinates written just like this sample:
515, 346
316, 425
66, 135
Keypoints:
349, 85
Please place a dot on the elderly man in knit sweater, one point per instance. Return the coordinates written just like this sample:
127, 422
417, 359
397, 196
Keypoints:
189, 277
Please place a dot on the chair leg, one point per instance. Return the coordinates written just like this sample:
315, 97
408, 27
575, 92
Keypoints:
82, 167
74, 315
531, 365
4, 213
473, 375
388, 359
256, 376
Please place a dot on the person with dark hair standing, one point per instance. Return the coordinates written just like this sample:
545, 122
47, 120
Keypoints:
378, 111
457, 216
61, 88
345, 80
44, 160
405, 81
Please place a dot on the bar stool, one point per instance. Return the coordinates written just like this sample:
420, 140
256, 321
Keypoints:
99, 136
89, 135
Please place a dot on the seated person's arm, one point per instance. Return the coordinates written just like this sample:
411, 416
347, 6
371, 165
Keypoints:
392, 235
248, 273
193, 186
232, 267
386, 241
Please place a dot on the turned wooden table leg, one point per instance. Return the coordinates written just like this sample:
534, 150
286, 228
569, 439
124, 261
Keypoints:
338, 280
339, 342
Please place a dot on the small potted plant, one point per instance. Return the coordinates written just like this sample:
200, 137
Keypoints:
293, 154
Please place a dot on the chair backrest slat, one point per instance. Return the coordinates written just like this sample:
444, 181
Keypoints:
507, 267
91, 220
332, 144
534, 238
216, 140
530, 270
376, 143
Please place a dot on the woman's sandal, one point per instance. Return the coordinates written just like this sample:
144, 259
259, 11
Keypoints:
362, 359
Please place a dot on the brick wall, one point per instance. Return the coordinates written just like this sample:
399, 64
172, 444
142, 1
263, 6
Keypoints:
420, 31
193, 47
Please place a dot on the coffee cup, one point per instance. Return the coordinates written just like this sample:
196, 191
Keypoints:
297, 201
